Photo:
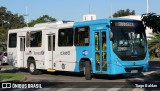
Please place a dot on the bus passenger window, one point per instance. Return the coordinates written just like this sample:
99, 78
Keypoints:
27, 39
35, 39
65, 37
81, 36
12, 40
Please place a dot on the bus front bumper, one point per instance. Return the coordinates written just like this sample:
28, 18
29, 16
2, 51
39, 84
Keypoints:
117, 69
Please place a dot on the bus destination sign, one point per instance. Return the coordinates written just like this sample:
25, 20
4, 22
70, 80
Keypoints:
123, 24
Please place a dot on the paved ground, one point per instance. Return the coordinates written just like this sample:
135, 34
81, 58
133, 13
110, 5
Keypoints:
68, 81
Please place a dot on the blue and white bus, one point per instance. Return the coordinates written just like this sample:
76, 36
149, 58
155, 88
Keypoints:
107, 46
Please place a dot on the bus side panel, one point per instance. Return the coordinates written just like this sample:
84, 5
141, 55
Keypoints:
83, 53
12, 56
38, 53
65, 58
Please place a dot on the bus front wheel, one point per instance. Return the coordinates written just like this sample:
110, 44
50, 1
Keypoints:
88, 73
32, 68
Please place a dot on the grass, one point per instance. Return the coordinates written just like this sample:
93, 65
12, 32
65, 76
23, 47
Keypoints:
156, 74
12, 76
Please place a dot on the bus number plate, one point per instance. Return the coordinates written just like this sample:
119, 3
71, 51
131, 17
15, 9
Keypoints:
134, 71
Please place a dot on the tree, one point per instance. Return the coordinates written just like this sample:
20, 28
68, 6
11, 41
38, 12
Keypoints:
152, 21
154, 45
43, 19
8, 20
126, 12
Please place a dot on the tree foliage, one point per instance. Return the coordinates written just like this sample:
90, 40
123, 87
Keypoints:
126, 12
152, 21
42, 19
154, 45
8, 20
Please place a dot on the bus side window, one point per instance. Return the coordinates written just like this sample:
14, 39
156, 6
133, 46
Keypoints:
35, 39
81, 36
12, 40
27, 39
65, 37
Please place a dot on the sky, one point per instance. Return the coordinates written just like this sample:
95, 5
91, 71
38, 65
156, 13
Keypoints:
75, 9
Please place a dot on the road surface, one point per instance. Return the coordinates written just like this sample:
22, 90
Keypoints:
68, 81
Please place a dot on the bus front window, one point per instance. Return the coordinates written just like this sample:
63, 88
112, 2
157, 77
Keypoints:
129, 43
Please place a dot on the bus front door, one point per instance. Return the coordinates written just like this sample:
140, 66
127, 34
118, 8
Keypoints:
100, 51
22, 50
51, 49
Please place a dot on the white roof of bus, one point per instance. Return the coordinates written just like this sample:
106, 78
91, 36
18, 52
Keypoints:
45, 26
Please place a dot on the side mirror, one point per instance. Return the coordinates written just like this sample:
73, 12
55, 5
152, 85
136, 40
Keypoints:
111, 35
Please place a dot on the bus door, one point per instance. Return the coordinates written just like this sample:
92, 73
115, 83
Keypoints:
51, 50
22, 50
100, 50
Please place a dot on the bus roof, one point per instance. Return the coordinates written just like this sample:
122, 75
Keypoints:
100, 21
45, 26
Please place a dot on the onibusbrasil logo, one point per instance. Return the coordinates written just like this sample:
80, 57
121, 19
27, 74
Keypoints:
21, 85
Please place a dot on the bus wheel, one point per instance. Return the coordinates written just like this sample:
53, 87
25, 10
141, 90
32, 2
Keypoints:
32, 68
88, 75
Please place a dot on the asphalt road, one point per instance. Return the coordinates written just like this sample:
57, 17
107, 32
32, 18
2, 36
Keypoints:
68, 81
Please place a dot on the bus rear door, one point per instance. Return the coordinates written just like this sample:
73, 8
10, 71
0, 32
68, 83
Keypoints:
51, 50
22, 50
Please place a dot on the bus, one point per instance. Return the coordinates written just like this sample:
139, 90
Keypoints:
107, 46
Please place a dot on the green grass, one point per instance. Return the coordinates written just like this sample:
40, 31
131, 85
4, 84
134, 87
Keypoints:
12, 76
156, 74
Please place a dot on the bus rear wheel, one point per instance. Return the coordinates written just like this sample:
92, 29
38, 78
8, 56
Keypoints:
88, 74
32, 68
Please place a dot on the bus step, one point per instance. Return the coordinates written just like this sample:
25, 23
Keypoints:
51, 70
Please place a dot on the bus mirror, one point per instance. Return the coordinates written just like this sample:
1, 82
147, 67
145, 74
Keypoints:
111, 35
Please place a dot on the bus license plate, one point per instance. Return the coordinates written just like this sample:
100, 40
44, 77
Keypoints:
134, 71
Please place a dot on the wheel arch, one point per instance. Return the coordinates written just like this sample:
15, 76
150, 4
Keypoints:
82, 63
30, 58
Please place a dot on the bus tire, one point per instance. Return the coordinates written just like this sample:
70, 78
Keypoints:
88, 75
32, 68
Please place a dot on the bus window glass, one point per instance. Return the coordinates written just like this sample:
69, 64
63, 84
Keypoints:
36, 39
96, 41
22, 44
51, 43
65, 37
82, 36
129, 40
104, 41
12, 40
27, 39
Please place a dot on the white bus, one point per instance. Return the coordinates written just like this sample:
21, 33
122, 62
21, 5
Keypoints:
34, 47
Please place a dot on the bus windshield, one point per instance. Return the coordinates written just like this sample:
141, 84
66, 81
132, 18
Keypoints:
129, 43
